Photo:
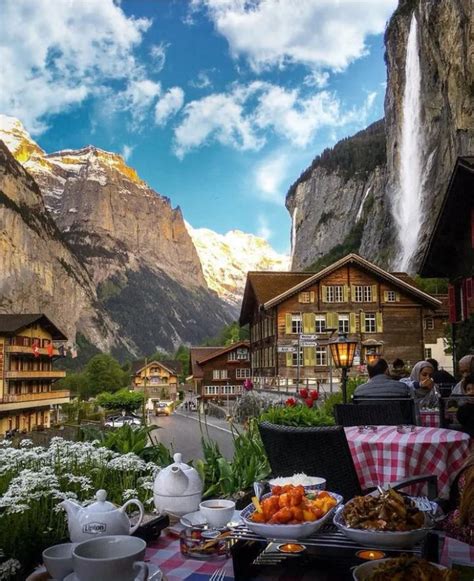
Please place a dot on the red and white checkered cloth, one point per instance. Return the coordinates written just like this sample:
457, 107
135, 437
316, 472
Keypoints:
165, 553
455, 551
386, 456
429, 419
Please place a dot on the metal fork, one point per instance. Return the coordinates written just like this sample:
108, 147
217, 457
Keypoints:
218, 575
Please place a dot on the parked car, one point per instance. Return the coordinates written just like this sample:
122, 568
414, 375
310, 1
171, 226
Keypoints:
119, 421
163, 408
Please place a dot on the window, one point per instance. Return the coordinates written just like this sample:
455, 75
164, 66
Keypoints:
242, 373
363, 294
358, 294
391, 296
370, 323
321, 356
238, 355
295, 357
335, 294
428, 353
296, 323
228, 389
429, 323
219, 374
343, 326
367, 294
320, 323
212, 389
305, 297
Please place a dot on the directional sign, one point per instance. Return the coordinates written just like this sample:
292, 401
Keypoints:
286, 349
308, 337
308, 344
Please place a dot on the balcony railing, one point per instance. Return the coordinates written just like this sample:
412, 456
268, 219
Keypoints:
33, 397
25, 374
29, 350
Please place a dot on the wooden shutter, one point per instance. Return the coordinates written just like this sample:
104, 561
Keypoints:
308, 323
385, 296
353, 292
397, 297
332, 320
300, 297
352, 323
306, 356
362, 322
312, 296
288, 323
289, 359
374, 293
452, 303
345, 293
323, 293
379, 322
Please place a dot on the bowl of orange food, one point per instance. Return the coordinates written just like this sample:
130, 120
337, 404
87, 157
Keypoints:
289, 512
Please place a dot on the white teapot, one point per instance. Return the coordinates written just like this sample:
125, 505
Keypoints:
178, 488
99, 518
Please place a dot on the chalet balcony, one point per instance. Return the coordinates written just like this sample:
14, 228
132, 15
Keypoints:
32, 400
28, 350
25, 375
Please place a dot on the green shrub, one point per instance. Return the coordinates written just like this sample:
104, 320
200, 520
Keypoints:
298, 415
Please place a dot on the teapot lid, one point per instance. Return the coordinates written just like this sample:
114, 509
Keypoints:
165, 476
101, 504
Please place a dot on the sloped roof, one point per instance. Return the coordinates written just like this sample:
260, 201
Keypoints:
198, 353
11, 324
170, 365
366, 265
223, 350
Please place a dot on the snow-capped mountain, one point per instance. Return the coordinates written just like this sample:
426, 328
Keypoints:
226, 259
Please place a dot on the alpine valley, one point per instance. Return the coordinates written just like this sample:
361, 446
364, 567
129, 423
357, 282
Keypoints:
86, 241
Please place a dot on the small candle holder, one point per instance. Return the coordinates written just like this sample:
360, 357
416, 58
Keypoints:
370, 555
292, 548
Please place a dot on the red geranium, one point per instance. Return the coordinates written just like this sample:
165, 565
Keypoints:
314, 394
304, 393
291, 402
309, 402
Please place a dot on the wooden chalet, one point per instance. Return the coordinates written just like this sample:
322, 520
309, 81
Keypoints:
159, 378
450, 251
27, 376
219, 372
385, 312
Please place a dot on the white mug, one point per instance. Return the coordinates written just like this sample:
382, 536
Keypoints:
117, 557
58, 560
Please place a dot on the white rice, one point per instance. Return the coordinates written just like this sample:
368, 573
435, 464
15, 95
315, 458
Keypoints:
300, 478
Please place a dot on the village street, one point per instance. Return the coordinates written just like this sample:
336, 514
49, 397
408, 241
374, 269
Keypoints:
182, 431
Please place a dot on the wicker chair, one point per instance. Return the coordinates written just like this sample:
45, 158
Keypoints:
382, 413
399, 410
321, 452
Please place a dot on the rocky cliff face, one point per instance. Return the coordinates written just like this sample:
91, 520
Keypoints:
39, 273
326, 200
132, 243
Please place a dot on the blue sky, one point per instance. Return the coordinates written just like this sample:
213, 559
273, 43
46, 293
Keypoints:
218, 104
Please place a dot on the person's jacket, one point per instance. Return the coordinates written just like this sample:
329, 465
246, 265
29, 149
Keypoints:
383, 386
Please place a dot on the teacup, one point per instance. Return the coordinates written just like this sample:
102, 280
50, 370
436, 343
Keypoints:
58, 560
217, 512
118, 557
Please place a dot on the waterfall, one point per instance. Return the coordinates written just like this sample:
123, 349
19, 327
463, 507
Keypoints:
293, 234
361, 207
409, 197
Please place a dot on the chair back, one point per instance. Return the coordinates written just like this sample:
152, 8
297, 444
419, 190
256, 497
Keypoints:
380, 414
448, 407
445, 389
316, 451
392, 411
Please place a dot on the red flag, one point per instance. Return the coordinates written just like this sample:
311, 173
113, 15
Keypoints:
36, 352
50, 349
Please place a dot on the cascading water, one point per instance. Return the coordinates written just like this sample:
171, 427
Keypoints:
409, 197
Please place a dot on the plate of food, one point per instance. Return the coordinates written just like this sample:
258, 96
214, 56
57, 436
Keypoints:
387, 520
404, 568
308, 482
289, 512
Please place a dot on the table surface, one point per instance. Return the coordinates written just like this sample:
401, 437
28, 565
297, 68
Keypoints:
385, 455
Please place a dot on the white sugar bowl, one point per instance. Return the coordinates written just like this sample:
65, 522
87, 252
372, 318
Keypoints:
178, 488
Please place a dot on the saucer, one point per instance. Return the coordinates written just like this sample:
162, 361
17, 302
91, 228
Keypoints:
154, 574
196, 518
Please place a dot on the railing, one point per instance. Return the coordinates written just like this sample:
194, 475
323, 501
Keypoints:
29, 350
33, 374
27, 397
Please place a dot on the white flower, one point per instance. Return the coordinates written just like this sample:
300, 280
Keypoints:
129, 493
9, 568
26, 443
127, 462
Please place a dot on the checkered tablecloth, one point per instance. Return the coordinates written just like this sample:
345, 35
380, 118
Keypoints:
165, 553
456, 552
429, 419
385, 456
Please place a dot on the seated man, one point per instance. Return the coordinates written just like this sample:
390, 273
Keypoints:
380, 384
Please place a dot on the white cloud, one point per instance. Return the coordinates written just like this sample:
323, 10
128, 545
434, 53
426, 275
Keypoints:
264, 230
243, 117
169, 105
202, 82
317, 79
316, 33
127, 151
269, 176
138, 97
158, 54
53, 57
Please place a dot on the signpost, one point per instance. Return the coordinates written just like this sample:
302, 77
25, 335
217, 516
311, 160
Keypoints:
308, 344
286, 349
311, 337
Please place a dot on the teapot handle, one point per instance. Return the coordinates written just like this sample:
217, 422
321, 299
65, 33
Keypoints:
140, 508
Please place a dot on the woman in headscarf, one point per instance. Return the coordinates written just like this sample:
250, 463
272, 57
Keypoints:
466, 367
421, 379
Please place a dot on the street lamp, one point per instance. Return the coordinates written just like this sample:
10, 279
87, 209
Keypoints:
343, 351
371, 357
